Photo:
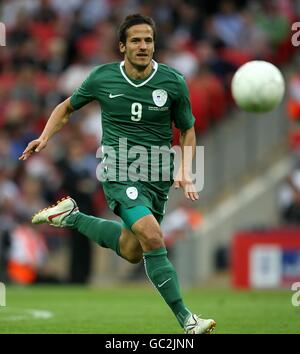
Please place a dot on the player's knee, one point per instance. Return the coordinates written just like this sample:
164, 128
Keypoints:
153, 241
149, 235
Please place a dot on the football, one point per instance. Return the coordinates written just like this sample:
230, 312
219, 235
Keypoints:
258, 86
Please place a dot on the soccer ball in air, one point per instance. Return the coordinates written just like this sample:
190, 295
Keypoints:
258, 86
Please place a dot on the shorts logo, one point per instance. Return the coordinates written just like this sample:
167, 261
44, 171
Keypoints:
159, 97
132, 193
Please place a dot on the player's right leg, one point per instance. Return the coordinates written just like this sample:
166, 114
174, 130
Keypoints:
106, 233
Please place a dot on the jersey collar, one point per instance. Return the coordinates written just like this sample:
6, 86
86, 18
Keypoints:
155, 67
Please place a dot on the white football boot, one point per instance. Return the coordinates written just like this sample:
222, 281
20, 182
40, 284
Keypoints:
197, 325
56, 215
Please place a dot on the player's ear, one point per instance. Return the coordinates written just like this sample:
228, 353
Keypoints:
122, 47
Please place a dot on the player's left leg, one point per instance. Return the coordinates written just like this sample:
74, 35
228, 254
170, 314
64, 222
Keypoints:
106, 233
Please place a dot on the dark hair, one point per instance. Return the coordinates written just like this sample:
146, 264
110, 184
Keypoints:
133, 20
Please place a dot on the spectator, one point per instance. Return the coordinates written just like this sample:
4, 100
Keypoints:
228, 24
27, 254
293, 104
75, 167
289, 197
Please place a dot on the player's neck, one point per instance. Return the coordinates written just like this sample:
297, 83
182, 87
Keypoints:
136, 73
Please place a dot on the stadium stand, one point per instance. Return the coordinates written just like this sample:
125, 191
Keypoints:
52, 45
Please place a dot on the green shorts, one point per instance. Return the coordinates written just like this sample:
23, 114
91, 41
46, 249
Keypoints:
153, 196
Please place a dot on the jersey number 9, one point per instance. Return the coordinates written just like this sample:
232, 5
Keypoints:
136, 111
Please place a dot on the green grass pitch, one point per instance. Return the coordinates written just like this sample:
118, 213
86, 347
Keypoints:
140, 309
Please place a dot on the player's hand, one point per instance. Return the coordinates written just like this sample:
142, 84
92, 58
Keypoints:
188, 187
34, 146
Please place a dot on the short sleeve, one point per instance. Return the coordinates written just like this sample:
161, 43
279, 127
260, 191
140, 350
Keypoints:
182, 113
84, 93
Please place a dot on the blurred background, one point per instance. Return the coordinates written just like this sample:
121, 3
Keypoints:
243, 232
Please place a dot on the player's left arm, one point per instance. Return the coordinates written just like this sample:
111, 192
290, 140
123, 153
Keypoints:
184, 121
184, 175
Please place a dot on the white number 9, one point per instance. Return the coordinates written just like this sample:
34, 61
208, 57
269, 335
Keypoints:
136, 111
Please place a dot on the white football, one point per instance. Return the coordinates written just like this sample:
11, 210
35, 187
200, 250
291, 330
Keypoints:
258, 86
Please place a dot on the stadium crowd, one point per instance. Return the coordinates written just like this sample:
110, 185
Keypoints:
51, 46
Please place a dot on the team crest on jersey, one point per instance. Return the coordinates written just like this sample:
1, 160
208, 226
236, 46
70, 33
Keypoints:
132, 193
160, 97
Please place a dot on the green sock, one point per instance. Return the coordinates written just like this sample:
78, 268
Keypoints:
163, 276
105, 233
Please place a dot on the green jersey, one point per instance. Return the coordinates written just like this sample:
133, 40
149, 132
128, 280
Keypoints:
137, 115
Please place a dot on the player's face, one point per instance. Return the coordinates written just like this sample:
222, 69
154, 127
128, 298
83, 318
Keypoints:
139, 47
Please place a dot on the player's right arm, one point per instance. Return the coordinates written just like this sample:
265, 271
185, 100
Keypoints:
61, 113
58, 118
